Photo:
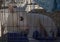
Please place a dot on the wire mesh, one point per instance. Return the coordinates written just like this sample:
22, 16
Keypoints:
19, 26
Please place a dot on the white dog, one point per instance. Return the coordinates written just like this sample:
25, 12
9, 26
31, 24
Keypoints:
18, 21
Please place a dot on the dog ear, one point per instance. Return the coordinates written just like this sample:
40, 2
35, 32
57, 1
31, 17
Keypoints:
42, 29
10, 8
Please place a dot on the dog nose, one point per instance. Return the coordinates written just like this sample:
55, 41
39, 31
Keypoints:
21, 18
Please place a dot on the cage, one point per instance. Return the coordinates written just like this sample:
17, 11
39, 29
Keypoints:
19, 26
